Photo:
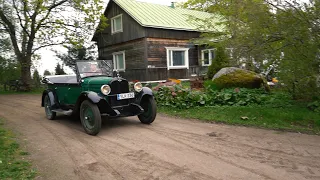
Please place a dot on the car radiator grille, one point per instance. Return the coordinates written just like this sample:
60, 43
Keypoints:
118, 87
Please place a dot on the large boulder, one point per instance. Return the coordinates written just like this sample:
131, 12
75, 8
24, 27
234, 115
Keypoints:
235, 77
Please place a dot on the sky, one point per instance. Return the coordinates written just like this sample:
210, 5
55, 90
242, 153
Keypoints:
49, 61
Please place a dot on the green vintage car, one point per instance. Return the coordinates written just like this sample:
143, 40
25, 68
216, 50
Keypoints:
96, 90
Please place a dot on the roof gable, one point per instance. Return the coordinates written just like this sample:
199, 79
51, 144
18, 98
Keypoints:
161, 16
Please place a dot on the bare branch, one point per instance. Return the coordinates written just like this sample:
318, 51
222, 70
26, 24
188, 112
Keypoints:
11, 30
58, 23
54, 5
47, 45
299, 12
19, 17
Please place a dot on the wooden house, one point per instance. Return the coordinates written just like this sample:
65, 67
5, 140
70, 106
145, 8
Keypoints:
149, 42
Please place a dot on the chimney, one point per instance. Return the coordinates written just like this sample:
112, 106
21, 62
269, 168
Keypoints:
172, 5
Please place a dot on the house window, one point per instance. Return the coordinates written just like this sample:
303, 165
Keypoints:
119, 62
116, 24
207, 56
177, 58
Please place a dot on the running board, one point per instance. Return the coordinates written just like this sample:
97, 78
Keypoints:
68, 113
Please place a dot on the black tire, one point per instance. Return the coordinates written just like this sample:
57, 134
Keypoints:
150, 110
90, 117
47, 107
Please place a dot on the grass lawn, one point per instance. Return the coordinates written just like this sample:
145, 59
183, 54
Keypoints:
12, 163
33, 91
294, 118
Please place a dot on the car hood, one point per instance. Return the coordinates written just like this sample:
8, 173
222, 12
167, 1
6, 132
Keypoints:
96, 80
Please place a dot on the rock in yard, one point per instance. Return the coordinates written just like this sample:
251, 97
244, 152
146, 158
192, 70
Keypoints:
235, 77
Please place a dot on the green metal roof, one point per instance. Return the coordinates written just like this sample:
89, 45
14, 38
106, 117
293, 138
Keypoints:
161, 16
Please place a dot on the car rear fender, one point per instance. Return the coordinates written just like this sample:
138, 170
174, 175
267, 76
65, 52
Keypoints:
52, 96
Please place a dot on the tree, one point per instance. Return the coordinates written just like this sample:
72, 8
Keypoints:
35, 24
220, 61
9, 70
59, 70
36, 78
46, 73
285, 34
5, 45
75, 53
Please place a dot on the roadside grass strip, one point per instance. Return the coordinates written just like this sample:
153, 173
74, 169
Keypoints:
13, 164
293, 119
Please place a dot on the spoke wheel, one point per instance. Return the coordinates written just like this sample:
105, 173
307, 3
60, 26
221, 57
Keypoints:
47, 107
90, 117
150, 110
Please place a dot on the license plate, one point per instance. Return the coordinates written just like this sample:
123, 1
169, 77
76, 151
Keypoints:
125, 96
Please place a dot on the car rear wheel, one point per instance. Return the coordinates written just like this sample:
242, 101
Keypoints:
150, 110
90, 117
47, 107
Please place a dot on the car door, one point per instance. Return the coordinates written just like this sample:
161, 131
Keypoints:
73, 92
61, 91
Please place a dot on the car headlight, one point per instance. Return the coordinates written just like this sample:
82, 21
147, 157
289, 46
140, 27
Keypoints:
138, 86
105, 89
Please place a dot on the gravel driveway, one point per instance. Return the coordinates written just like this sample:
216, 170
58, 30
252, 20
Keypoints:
168, 149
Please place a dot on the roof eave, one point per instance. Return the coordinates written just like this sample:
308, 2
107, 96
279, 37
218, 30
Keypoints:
172, 28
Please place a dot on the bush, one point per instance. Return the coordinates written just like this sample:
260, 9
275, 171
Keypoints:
314, 106
177, 97
220, 61
210, 85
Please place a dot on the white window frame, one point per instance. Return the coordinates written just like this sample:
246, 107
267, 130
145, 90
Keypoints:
186, 55
210, 58
112, 24
115, 62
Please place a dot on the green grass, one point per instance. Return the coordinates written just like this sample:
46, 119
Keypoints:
12, 163
185, 84
295, 118
33, 91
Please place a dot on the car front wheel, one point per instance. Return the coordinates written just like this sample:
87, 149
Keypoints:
47, 107
150, 110
90, 117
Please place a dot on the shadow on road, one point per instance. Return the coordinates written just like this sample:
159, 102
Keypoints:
107, 123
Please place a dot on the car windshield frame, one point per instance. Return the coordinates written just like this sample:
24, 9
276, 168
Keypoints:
94, 68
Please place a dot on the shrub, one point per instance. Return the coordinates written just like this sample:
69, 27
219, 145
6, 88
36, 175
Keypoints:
314, 106
220, 61
210, 85
178, 97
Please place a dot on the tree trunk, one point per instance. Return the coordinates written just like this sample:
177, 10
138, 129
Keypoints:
25, 72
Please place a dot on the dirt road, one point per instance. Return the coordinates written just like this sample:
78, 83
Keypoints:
168, 149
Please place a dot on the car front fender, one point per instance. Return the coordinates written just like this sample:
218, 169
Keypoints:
52, 96
95, 98
92, 96
145, 92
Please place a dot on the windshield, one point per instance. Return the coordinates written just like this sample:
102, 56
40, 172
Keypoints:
95, 68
